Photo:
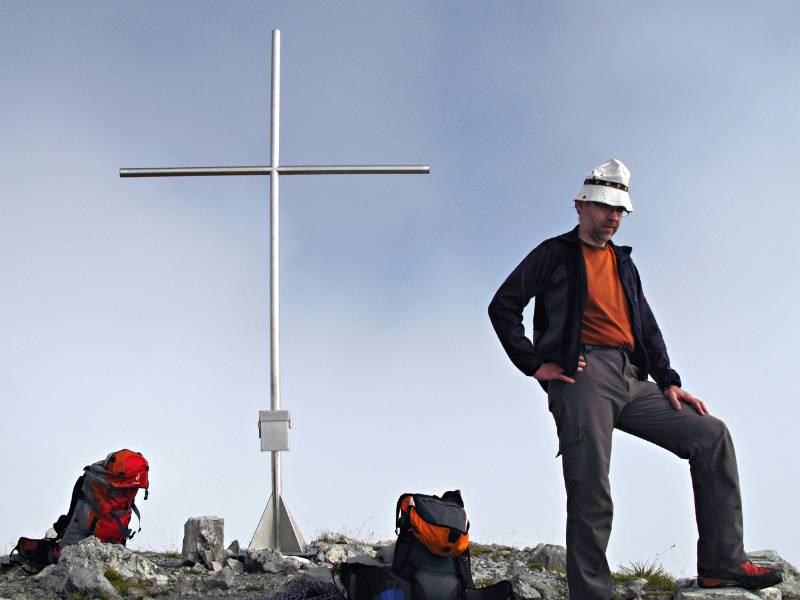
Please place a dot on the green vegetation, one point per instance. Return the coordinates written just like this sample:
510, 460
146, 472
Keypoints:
120, 584
332, 537
657, 578
480, 583
539, 566
476, 549
173, 554
125, 586
493, 551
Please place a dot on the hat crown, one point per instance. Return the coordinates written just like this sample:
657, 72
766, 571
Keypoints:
611, 170
607, 183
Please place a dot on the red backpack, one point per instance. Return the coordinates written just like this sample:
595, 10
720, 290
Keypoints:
103, 500
101, 505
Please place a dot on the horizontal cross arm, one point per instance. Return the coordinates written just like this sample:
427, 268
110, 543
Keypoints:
288, 170
356, 170
194, 171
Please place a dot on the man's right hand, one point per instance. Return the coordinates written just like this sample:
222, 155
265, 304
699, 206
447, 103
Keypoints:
552, 371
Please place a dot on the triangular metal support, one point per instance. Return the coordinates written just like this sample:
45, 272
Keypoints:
290, 539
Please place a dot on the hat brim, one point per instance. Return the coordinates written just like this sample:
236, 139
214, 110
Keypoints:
605, 195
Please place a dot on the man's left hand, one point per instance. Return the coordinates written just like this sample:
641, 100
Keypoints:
677, 395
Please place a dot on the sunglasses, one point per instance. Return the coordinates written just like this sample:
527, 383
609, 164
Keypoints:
621, 211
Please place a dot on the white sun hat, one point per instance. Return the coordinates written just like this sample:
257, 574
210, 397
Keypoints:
607, 183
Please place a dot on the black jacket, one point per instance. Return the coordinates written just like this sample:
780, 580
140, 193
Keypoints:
555, 273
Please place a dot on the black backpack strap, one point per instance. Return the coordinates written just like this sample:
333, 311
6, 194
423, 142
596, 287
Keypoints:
398, 514
135, 510
61, 523
465, 568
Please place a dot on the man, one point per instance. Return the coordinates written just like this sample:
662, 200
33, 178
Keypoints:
595, 341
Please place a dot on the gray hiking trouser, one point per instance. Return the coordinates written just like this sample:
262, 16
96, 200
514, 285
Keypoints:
608, 395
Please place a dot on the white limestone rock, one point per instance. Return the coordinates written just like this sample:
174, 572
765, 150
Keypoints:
770, 593
522, 590
635, 588
91, 553
68, 578
552, 556
203, 540
270, 561
235, 565
728, 593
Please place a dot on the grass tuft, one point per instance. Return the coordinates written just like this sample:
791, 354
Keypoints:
476, 549
333, 537
118, 581
657, 578
125, 586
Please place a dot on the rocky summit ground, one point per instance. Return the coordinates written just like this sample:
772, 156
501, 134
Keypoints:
91, 569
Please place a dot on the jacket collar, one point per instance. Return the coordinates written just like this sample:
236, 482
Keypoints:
571, 237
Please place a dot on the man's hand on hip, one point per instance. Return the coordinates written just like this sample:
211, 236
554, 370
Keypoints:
676, 395
552, 371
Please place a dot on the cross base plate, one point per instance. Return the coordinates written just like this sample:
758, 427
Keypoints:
290, 539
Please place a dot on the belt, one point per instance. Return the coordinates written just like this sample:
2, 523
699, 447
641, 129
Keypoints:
590, 347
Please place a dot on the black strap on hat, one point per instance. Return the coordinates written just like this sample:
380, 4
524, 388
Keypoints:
613, 184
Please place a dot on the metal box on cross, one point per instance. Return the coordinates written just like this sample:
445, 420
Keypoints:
273, 429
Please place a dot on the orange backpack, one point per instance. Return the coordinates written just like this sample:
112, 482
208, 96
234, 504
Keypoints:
440, 524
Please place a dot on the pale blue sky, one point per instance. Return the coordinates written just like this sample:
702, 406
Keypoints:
134, 311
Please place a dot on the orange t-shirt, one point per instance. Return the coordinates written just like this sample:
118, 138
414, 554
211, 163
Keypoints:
606, 321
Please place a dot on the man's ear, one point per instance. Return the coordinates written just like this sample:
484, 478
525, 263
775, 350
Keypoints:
578, 206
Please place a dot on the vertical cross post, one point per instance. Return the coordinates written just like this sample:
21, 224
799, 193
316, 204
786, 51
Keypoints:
274, 266
277, 528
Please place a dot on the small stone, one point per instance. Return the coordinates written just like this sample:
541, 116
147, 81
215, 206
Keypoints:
522, 590
269, 561
235, 565
298, 561
770, 593
337, 554
635, 588
223, 580
45, 572
316, 575
215, 566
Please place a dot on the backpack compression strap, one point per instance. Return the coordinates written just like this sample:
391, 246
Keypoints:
128, 533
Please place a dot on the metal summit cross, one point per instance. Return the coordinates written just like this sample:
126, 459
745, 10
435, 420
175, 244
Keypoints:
276, 529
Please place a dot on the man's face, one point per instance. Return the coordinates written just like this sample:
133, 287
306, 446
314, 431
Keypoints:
597, 223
